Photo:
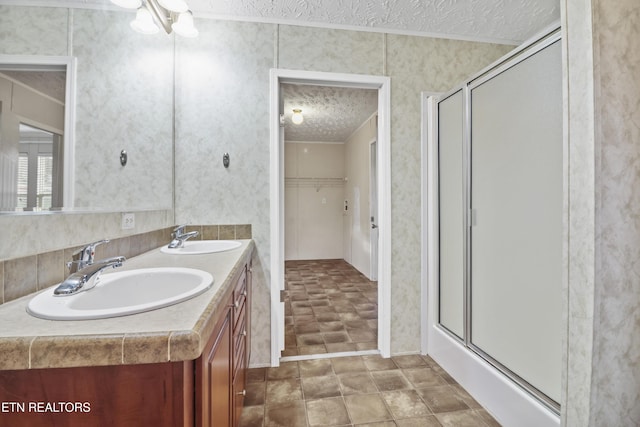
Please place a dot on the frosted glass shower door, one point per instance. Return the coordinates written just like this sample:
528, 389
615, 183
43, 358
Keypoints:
451, 206
517, 204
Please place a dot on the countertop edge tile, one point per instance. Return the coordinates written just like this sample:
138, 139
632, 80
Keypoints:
77, 350
145, 348
14, 352
184, 345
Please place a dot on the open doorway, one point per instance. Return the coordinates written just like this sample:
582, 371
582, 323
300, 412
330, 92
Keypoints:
330, 246
308, 185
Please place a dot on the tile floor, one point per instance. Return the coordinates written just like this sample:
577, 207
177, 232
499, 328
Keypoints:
405, 391
330, 307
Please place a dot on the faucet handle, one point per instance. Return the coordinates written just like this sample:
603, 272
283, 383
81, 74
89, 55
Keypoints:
179, 230
83, 257
86, 254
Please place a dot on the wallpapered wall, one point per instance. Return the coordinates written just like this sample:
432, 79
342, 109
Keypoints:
123, 101
602, 379
222, 105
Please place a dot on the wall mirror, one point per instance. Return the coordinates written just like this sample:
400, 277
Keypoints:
36, 131
77, 87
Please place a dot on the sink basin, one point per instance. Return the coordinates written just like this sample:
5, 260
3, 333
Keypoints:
122, 293
195, 247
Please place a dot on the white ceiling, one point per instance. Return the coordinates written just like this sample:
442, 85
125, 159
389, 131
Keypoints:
50, 83
332, 114
500, 21
503, 21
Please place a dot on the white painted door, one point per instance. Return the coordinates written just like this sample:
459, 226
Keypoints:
373, 209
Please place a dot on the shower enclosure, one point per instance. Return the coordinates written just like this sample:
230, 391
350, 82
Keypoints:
497, 235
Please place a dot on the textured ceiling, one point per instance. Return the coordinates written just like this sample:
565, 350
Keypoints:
50, 83
330, 114
501, 21
506, 21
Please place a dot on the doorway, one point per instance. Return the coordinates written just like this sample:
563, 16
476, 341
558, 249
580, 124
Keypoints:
382, 155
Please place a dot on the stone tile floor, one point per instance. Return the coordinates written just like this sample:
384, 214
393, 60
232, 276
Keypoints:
404, 391
330, 307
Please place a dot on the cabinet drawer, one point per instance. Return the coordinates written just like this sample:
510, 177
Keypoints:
240, 345
239, 297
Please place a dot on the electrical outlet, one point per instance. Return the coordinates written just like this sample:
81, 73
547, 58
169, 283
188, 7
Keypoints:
128, 221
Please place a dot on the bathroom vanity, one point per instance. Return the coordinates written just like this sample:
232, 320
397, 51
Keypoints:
182, 365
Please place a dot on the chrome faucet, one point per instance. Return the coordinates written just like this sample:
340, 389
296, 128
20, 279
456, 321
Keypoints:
179, 237
85, 271
85, 279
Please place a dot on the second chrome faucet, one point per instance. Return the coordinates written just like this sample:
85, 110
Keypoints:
179, 237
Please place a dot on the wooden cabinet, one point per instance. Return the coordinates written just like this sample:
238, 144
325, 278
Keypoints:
206, 392
213, 376
221, 370
99, 396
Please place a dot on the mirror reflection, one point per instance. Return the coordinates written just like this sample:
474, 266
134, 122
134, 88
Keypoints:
31, 137
118, 96
38, 186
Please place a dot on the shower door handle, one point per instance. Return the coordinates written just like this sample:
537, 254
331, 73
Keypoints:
373, 226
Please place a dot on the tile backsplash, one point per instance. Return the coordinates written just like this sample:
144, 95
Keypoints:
29, 274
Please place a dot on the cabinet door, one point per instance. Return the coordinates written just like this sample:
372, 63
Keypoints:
213, 378
239, 383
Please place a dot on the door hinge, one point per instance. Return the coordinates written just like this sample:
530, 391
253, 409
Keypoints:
282, 295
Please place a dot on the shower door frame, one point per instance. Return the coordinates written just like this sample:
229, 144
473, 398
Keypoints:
485, 379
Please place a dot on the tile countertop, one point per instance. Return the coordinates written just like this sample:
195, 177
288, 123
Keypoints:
174, 333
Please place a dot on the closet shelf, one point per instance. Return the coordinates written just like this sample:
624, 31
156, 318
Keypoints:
316, 183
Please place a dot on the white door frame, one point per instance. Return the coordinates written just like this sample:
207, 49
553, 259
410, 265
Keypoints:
383, 85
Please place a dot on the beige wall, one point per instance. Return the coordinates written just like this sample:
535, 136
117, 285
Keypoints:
226, 69
221, 105
357, 193
314, 189
602, 382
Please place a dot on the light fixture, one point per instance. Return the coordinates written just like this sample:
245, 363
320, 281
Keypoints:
184, 25
296, 117
144, 22
172, 15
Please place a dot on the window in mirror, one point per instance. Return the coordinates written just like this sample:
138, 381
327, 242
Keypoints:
38, 186
34, 131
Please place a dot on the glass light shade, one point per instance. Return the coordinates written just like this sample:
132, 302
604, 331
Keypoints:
184, 25
178, 6
128, 4
296, 117
144, 22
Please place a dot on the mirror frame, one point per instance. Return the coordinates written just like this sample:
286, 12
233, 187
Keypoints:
70, 65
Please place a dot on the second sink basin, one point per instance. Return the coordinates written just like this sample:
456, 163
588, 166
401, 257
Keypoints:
195, 247
122, 293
